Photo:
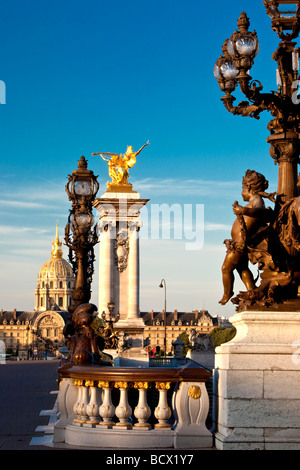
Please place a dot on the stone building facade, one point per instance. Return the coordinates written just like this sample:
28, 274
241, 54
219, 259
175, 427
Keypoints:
31, 333
176, 323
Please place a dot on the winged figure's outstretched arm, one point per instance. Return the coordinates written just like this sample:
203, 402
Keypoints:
139, 151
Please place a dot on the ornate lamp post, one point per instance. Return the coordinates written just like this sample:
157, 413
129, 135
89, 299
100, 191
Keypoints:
108, 333
275, 242
232, 69
111, 319
80, 236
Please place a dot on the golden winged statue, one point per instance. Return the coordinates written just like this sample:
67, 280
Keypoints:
118, 165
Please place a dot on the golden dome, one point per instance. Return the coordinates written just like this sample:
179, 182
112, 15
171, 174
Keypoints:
56, 266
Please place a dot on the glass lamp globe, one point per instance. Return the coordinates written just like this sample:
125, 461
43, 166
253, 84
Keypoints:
83, 187
230, 47
228, 70
246, 45
83, 219
217, 71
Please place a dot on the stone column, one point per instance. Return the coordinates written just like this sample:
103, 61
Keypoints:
106, 265
37, 298
133, 271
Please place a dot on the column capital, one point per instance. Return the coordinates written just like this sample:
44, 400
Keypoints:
106, 225
135, 225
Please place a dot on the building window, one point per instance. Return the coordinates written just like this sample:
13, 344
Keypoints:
51, 284
60, 284
60, 301
42, 301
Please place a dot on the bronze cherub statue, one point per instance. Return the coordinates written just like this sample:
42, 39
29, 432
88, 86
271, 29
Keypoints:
249, 219
85, 346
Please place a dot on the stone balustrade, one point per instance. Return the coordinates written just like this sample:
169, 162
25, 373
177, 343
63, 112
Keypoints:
110, 407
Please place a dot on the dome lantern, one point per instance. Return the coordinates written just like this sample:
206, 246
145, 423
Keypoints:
56, 246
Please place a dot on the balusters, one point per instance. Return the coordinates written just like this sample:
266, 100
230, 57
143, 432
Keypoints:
81, 402
107, 409
123, 410
162, 412
92, 409
142, 411
77, 383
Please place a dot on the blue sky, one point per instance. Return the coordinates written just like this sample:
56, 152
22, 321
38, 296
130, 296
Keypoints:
84, 77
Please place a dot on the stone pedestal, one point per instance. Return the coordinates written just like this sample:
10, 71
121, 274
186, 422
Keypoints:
258, 374
119, 273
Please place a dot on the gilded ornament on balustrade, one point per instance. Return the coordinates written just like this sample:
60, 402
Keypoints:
194, 392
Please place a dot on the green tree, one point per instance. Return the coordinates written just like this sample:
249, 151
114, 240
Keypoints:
184, 337
222, 335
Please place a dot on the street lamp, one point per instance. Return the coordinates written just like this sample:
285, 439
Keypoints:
285, 17
111, 318
161, 285
80, 236
225, 71
232, 69
108, 333
275, 247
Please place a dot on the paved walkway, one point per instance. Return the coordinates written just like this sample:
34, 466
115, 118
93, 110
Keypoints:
28, 395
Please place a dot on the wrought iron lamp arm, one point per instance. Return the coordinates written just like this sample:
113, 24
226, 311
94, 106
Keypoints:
278, 104
244, 108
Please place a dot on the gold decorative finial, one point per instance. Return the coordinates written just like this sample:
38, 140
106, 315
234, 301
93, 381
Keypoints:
56, 246
118, 166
